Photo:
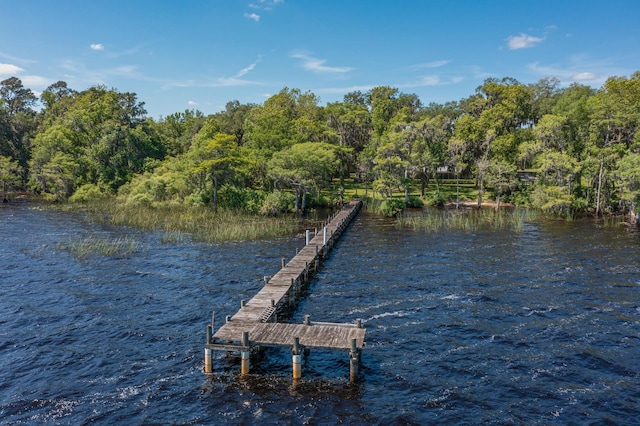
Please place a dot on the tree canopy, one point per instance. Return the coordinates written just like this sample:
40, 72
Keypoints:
581, 145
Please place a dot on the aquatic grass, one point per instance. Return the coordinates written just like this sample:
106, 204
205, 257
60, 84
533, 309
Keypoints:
468, 220
83, 248
176, 221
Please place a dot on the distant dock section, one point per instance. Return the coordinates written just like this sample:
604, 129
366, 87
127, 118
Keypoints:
256, 323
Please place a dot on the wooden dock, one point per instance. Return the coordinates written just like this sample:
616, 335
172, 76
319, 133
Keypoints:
256, 324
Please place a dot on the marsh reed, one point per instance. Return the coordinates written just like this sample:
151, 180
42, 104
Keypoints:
178, 221
470, 220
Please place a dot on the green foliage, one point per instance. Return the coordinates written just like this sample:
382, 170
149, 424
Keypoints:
415, 202
277, 202
289, 152
88, 192
392, 207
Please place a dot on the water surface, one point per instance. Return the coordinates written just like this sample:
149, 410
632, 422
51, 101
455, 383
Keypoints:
495, 327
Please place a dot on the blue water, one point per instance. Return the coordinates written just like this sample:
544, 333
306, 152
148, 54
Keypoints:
492, 327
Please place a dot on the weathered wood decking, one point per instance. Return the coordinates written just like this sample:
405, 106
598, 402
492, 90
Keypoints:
255, 324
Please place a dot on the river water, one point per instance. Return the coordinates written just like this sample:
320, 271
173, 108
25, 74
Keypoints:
491, 327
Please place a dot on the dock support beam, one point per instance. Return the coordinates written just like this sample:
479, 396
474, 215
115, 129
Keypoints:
296, 359
245, 355
307, 238
354, 358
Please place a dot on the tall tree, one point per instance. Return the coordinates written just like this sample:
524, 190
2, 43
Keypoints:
17, 122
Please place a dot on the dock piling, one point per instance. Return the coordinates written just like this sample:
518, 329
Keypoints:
354, 357
245, 354
296, 359
208, 355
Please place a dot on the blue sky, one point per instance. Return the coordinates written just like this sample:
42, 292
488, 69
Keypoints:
197, 54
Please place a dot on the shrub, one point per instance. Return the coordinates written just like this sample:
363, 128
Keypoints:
277, 202
415, 202
392, 207
86, 193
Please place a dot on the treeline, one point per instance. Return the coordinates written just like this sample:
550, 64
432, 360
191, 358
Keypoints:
579, 146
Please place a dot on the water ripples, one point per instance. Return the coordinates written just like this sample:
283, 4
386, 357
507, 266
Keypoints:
540, 327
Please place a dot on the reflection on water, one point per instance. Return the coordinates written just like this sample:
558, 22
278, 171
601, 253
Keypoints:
536, 327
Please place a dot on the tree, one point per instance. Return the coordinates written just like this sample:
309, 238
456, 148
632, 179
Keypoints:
628, 174
352, 125
100, 136
17, 122
16, 97
8, 174
615, 117
502, 176
232, 119
302, 167
217, 160
176, 131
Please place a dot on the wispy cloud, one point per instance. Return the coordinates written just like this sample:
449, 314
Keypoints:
9, 69
430, 81
16, 59
523, 41
96, 46
248, 69
343, 90
574, 73
265, 4
433, 64
192, 103
318, 65
253, 16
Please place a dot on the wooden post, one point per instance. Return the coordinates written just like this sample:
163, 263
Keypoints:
208, 357
324, 236
283, 262
245, 354
307, 319
243, 303
296, 359
307, 237
353, 361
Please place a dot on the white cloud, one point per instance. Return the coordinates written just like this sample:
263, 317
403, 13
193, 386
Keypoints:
522, 41
96, 46
30, 81
9, 69
317, 65
192, 103
253, 16
584, 76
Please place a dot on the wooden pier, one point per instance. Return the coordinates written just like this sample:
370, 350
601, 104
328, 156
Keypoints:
256, 324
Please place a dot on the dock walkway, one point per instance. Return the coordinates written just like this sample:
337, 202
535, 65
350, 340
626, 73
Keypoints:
255, 324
